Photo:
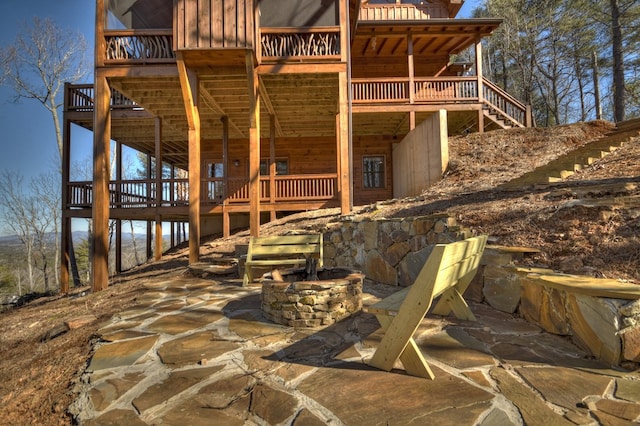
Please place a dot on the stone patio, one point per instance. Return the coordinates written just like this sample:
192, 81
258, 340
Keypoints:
198, 351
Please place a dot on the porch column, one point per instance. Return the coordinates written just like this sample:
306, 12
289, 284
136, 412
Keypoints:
65, 231
272, 165
344, 151
100, 206
149, 192
157, 251
189, 85
412, 86
254, 147
119, 221
480, 85
226, 226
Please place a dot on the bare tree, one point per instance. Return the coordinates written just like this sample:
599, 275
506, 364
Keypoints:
40, 61
15, 215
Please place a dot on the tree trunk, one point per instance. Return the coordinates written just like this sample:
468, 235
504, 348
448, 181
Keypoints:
618, 63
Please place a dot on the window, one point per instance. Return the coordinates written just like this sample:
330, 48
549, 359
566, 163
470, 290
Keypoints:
215, 183
282, 166
373, 171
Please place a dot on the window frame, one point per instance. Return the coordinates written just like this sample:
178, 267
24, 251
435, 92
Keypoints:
383, 172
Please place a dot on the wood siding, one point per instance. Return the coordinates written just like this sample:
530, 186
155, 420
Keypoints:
366, 146
213, 24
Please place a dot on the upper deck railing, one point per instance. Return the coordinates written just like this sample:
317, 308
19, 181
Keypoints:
440, 90
279, 44
139, 46
402, 12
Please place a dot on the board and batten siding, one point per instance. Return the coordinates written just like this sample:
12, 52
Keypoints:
213, 24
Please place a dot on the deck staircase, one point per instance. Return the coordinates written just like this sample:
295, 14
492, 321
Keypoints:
563, 167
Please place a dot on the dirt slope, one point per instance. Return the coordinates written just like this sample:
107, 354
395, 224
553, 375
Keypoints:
580, 225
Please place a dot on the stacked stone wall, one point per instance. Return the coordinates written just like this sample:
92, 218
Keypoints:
389, 251
608, 328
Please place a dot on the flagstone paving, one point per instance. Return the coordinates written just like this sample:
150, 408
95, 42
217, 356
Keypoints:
199, 352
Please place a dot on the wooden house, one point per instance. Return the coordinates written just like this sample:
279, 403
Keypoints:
265, 107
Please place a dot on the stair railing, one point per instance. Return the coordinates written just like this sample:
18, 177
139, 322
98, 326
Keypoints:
506, 106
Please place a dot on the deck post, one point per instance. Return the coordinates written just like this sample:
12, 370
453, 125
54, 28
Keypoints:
480, 85
272, 166
157, 251
344, 152
189, 85
412, 87
100, 207
226, 226
254, 146
118, 258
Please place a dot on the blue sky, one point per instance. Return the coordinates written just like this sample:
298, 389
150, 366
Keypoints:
28, 142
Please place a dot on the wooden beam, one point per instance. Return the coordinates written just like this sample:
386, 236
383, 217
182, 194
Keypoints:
264, 96
272, 164
342, 133
412, 87
118, 258
100, 205
226, 226
157, 251
254, 146
478, 52
214, 105
189, 86
331, 68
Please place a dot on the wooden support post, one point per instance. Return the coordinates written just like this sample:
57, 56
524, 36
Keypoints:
226, 226
272, 165
480, 85
189, 85
100, 207
254, 147
412, 86
344, 174
119, 221
157, 251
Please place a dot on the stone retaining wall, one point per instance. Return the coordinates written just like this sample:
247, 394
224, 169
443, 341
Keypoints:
393, 251
608, 328
389, 251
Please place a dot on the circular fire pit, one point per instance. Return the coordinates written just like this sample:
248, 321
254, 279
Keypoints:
297, 303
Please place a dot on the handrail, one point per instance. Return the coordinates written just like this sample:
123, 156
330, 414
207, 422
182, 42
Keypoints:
277, 44
139, 46
80, 98
504, 104
439, 90
400, 12
140, 193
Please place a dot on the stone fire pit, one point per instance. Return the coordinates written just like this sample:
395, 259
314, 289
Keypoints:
297, 303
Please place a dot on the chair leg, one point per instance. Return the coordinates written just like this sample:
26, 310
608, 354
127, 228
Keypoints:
411, 358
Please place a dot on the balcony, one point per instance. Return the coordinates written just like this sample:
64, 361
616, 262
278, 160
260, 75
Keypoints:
442, 91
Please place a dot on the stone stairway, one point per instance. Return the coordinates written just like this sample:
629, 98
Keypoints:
563, 167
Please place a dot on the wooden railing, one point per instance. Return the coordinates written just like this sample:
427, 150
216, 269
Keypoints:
135, 46
175, 192
80, 98
402, 12
505, 105
279, 44
441, 90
